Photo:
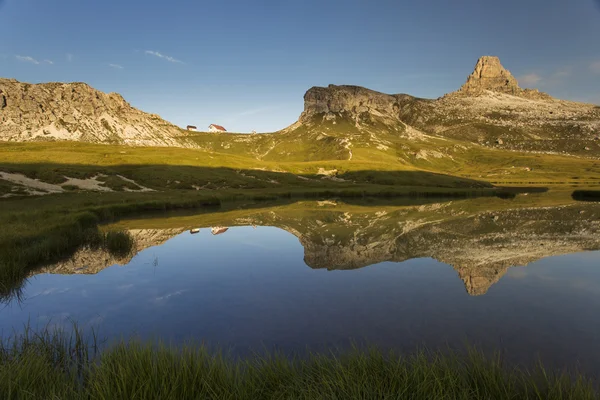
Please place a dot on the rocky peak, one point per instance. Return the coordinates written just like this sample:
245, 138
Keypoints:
490, 75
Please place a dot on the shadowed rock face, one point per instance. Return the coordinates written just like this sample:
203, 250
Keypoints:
350, 100
76, 111
480, 247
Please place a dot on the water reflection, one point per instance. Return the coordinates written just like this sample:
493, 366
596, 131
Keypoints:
480, 246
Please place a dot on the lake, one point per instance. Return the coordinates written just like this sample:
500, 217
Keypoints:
322, 275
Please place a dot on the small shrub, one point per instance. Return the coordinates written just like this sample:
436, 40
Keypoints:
118, 243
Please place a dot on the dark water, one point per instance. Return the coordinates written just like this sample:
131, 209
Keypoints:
251, 288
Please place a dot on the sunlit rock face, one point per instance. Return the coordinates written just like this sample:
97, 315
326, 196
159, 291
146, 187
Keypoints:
76, 111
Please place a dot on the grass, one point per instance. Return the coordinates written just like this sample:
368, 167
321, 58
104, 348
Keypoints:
62, 365
240, 166
118, 243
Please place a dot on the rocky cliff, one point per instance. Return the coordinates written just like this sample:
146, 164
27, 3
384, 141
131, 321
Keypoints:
76, 111
490, 109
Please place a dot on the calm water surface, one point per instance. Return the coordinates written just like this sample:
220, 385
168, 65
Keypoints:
251, 288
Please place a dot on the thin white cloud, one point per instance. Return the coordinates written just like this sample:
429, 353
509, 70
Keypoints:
116, 66
529, 79
163, 56
69, 57
169, 295
27, 59
49, 62
256, 111
563, 73
595, 67
125, 287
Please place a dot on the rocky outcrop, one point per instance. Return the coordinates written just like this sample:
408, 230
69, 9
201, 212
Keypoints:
353, 101
490, 75
76, 111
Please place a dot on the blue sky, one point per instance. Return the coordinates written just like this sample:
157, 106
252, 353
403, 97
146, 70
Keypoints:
246, 64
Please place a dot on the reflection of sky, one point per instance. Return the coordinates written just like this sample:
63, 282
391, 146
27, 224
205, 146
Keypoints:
250, 287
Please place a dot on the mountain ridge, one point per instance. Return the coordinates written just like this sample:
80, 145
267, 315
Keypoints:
490, 109
77, 111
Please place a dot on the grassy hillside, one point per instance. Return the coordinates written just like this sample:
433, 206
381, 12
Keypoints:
300, 158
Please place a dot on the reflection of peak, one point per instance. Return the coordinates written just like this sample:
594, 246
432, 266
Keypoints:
481, 248
478, 280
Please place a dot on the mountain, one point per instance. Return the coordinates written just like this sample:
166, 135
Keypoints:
76, 111
490, 109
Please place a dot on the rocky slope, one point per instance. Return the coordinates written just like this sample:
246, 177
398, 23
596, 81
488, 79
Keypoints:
490, 109
76, 111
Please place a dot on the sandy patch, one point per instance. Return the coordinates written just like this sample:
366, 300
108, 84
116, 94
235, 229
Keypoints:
87, 184
35, 187
35, 184
141, 188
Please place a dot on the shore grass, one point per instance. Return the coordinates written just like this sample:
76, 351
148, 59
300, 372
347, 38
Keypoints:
61, 365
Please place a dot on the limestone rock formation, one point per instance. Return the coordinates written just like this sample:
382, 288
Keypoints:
490, 75
76, 111
351, 100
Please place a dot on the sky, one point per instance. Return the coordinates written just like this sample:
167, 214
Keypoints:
246, 64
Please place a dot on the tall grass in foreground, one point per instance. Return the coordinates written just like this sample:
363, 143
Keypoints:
58, 365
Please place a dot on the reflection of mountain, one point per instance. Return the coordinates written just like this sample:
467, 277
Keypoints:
92, 261
481, 246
